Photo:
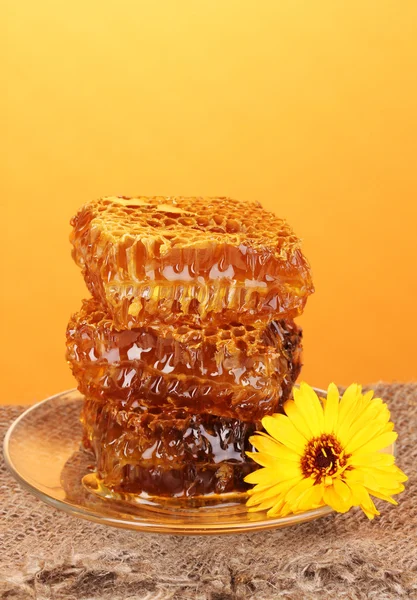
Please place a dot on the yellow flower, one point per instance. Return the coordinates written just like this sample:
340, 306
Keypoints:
325, 451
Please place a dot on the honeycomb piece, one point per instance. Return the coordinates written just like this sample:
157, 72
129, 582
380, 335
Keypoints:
235, 370
166, 453
161, 258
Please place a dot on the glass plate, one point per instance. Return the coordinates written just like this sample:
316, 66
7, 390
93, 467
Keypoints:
42, 450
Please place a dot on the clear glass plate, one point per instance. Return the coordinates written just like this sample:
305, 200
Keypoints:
42, 450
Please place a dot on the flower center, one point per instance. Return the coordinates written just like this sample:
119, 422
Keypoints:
323, 457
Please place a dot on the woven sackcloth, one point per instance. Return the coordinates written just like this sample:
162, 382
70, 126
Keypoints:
46, 554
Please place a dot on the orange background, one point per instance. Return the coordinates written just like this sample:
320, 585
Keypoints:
308, 106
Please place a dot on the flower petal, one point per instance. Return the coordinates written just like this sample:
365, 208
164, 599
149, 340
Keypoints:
273, 492
380, 442
384, 497
265, 460
283, 430
279, 509
371, 459
348, 411
381, 478
310, 498
361, 498
264, 443
280, 467
297, 419
263, 476
332, 499
331, 409
361, 437
309, 405
273, 475
400, 475
373, 411
294, 493
264, 506
350, 397
355, 475
342, 490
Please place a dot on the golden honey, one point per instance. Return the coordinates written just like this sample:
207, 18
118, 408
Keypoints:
167, 453
211, 258
234, 370
187, 342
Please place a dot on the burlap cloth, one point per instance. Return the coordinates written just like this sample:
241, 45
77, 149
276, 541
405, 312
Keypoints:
46, 554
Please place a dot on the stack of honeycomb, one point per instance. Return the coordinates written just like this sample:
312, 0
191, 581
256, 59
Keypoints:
188, 339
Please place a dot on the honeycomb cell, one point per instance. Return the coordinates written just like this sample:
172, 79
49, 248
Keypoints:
166, 453
211, 258
237, 371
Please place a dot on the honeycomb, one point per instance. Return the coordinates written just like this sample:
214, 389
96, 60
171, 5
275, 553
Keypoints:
188, 341
210, 258
233, 370
166, 453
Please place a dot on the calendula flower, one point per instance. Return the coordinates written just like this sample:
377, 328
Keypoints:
325, 451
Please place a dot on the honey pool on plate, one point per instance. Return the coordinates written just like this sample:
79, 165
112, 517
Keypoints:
42, 450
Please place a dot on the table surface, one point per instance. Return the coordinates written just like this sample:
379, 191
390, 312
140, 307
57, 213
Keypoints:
48, 554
